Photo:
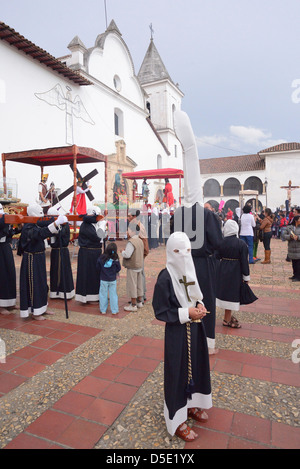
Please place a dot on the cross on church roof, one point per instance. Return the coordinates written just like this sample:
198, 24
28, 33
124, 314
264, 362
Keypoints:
151, 30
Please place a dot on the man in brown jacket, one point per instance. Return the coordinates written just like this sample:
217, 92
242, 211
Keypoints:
133, 261
133, 216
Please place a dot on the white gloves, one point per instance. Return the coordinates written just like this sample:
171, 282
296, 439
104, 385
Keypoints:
54, 227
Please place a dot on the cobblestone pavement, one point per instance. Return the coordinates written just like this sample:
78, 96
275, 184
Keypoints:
96, 381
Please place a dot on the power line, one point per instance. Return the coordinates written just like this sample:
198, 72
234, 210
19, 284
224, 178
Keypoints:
223, 148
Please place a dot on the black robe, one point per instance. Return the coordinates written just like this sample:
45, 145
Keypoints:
208, 238
60, 265
8, 292
233, 269
90, 248
177, 401
33, 275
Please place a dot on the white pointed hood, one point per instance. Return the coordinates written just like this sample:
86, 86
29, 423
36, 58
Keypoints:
191, 167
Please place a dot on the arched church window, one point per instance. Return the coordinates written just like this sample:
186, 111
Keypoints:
214, 204
148, 106
117, 83
232, 204
256, 206
231, 186
159, 162
211, 188
173, 110
119, 122
254, 183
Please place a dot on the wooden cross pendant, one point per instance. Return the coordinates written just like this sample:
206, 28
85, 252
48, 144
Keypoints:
186, 284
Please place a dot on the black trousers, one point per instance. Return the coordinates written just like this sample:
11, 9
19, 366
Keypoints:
267, 240
296, 268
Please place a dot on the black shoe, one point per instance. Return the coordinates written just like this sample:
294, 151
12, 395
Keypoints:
295, 279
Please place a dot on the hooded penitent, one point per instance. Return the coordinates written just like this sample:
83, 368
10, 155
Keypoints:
181, 268
35, 210
231, 228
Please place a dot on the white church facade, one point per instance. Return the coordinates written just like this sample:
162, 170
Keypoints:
91, 98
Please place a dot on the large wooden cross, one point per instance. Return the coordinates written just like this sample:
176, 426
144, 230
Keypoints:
186, 284
69, 191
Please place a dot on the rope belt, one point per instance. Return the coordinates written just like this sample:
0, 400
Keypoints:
228, 259
191, 384
30, 274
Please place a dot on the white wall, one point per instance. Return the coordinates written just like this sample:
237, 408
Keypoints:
280, 169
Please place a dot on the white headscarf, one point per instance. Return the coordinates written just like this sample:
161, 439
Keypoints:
101, 225
35, 210
1, 210
238, 212
231, 228
191, 167
180, 266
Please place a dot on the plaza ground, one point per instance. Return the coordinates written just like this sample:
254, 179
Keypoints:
96, 381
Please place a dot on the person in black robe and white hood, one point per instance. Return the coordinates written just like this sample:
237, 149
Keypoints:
177, 301
200, 224
233, 270
90, 240
61, 277
33, 275
8, 291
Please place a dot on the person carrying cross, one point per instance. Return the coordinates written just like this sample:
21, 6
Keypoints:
177, 301
80, 198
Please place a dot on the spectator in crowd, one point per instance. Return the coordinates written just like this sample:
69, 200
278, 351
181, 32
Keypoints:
246, 232
291, 233
265, 227
133, 258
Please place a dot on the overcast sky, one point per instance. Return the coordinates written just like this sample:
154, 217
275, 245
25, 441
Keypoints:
236, 61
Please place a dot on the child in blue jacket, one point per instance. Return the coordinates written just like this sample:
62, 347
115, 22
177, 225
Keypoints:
109, 266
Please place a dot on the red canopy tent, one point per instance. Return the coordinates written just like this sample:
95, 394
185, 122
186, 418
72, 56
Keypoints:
170, 173
58, 156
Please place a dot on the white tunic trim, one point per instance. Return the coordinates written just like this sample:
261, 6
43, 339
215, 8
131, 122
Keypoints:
36, 311
69, 295
211, 343
7, 303
85, 299
203, 401
235, 306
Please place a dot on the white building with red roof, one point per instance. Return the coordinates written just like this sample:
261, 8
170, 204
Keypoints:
270, 172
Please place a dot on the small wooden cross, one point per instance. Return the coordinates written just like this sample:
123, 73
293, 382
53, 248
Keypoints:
152, 30
186, 284
289, 189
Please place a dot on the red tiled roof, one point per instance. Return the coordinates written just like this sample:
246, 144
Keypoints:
21, 43
282, 147
232, 164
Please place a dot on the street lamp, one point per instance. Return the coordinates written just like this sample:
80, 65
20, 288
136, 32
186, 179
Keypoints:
266, 187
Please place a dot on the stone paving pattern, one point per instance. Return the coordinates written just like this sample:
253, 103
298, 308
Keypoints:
96, 381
